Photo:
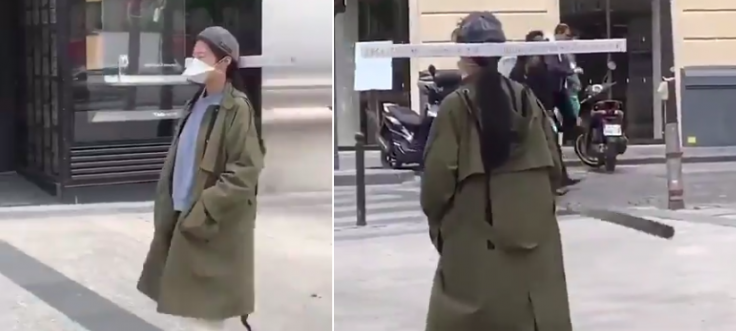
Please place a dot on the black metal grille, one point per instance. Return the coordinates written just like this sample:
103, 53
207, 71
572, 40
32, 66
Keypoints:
40, 89
117, 163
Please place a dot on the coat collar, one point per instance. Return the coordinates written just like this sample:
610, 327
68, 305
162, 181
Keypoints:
229, 93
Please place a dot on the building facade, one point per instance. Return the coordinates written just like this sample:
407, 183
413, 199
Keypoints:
69, 121
698, 34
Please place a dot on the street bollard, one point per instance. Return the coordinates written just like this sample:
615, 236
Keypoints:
673, 156
360, 178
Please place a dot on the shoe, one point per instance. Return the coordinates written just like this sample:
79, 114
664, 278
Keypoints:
561, 191
570, 181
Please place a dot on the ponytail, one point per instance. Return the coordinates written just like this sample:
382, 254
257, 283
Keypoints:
495, 113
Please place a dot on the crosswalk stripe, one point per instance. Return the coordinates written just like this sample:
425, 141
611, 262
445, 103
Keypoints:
383, 217
350, 200
380, 205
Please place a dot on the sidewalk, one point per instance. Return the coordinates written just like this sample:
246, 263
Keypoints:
618, 279
635, 155
78, 272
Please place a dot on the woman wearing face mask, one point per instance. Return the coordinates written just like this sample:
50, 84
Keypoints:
491, 168
200, 263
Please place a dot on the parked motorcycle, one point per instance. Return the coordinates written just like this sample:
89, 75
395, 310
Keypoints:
403, 132
604, 138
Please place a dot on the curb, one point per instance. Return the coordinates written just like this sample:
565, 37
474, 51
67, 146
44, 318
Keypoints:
661, 160
68, 210
374, 177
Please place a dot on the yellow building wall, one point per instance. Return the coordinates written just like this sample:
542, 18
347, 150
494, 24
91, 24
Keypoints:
437, 19
705, 32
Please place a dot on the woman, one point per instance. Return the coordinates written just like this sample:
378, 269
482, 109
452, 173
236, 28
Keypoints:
200, 263
491, 168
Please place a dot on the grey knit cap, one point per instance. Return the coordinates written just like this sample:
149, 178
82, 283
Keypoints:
480, 27
223, 39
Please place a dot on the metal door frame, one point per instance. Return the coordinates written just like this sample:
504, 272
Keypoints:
657, 108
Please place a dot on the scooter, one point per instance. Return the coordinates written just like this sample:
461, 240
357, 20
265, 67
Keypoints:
604, 138
403, 132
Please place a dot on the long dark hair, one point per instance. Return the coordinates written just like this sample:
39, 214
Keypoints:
494, 106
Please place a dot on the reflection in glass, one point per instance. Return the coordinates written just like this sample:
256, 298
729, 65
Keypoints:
110, 38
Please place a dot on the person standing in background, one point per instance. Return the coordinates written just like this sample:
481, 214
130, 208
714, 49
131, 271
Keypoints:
532, 72
561, 69
574, 85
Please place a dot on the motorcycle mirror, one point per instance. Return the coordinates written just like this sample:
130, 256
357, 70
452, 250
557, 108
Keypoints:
432, 70
611, 65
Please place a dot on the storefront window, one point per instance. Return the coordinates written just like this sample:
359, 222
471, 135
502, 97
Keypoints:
127, 58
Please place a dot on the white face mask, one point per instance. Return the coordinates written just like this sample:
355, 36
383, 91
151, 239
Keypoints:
197, 71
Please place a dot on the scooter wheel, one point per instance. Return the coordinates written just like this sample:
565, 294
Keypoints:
389, 161
582, 152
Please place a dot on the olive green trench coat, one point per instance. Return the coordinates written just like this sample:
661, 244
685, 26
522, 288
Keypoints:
200, 264
508, 275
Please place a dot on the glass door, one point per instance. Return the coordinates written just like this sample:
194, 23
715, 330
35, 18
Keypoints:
127, 93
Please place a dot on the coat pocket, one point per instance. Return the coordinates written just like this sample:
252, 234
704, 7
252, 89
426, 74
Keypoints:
522, 206
198, 223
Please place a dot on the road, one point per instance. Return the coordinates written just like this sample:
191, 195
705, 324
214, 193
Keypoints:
646, 185
76, 270
618, 279
632, 185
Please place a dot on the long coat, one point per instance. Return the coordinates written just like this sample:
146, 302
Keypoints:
508, 274
200, 264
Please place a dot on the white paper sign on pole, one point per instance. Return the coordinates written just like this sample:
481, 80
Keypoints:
372, 74
376, 50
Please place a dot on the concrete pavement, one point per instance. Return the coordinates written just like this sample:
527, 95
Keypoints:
618, 279
77, 272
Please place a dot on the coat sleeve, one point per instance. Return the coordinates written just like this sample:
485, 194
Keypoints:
558, 65
440, 167
236, 187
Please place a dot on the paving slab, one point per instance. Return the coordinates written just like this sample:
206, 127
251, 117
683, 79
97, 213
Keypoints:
78, 272
618, 279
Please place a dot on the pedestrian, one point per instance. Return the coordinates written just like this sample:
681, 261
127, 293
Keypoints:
200, 263
562, 69
487, 190
532, 71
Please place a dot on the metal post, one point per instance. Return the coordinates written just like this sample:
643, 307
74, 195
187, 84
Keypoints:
360, 178
673, 155
609, 57
336, 152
